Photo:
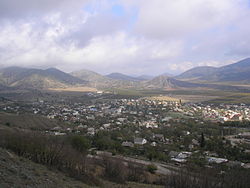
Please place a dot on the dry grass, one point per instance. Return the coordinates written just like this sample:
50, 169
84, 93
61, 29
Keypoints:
16, 171
27, 121
75, 89
164, 98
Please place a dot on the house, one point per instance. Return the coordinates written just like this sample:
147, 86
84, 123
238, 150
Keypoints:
173, 154
180, 157
106, 126
216, 160
127, 144
247, 166
195, 142
59, 134
80, 127
234, 164
179, 160
190, 146
140, 141
159, 137
91, 131
56, 128
50, 116
245, 135
184, 155
153, 144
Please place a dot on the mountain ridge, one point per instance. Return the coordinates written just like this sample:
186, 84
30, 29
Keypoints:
37, 78
204, 76
235, 72
120, 76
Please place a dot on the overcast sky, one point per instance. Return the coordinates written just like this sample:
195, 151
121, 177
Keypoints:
129, 36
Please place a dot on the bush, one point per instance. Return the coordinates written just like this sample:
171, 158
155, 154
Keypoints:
51, 151
115, 170
80, 143
7, 124
152, 168
135, 172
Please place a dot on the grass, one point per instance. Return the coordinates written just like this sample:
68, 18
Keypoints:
195, 95
233, 98
27, 121
17, 171
130, 185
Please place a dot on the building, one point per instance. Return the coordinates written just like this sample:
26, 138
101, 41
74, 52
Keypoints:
140, 141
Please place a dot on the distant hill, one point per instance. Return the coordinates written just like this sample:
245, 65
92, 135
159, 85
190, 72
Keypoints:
209, 77
166, 82
167, 74
160, 82
237, 72
145, 77
99, 81
197, 73
3, 87
37, 78
120, 76
92, 77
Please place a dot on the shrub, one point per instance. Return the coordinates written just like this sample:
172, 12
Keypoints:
115, 170
152, 168
80, 143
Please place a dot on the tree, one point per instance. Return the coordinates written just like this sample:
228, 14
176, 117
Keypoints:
202, 141
80, 143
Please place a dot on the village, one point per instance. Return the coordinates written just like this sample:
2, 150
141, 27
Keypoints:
166, 131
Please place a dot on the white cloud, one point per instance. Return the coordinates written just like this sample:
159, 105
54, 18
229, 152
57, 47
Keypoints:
167, 18
148, 37
103, 53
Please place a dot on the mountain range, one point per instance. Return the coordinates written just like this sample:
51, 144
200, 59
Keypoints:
120, 76
237, 72
37, 78
206, 76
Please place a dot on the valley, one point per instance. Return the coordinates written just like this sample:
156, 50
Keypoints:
122, 131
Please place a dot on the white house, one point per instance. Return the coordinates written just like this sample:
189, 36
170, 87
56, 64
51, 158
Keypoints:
140, 141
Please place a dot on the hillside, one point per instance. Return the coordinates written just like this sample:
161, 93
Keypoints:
37, 78
27, 121
165, 82
160, 82
197, 73
94, 79
99, 81
120, 76
16, 171
238, 72
25, 78
20, 172
144, 77
3, 87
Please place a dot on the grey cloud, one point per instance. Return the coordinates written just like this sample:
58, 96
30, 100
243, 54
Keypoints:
166, 36
23, 8
96, 25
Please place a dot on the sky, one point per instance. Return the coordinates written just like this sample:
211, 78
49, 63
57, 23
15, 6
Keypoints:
134, 37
